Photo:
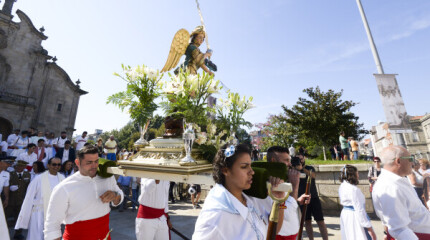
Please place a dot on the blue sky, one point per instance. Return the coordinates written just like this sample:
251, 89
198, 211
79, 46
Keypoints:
270, 50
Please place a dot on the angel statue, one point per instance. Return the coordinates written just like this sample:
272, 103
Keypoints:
194, 58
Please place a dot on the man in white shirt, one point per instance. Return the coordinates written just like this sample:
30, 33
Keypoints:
395, 200
292, 150
80, 141
41, 152
35, 139
59, 142
11, 139
291, 220
4, 187
3, 146
152, 222
35, 205
81, 201
28, 156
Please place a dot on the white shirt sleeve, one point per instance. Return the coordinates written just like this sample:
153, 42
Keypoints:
358, 202
397, 214
206, 229
6, 182
117, 190
56, 213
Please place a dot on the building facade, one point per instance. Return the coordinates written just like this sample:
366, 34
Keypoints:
34, 90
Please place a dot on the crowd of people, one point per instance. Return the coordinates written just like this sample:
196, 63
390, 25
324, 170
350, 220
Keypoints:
55, 182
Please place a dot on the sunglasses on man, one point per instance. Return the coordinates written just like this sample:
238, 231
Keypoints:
56, 164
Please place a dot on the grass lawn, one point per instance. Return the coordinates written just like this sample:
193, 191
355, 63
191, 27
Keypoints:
322, 162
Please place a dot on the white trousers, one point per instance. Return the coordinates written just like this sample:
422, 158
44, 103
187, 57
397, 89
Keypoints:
152, 229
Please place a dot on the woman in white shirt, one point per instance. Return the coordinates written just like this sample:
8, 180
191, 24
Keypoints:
424, 167
354, 222
228, 213
20, 144
416, 179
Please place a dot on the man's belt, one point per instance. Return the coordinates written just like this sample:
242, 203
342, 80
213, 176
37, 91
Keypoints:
92, 229
149, 212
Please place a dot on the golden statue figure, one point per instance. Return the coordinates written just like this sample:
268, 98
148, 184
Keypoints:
188, 44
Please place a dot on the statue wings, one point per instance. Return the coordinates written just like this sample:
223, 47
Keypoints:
177, 49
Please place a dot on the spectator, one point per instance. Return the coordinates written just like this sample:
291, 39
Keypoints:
344, 145
50, 139
4, 147
11, 139
135, 192
338, 152
124, 183
111, 147
20, 144
19, 181
60, 141
302, 151
424, 167
333, 152
99, 146
67, 168
354, 148
314, 208
67, 153
255, 154
292, 150
416, 179
80, 141
374, 172
196, 195
32, 132
41, 152
35, 139
171, 197
28, 156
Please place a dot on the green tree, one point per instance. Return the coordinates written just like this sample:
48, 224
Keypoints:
320, 117
276, 132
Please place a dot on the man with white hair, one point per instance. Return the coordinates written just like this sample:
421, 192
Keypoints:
395, 200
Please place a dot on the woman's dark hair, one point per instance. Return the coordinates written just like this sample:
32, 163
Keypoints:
221, 161
349, 173
63, 167
40, 167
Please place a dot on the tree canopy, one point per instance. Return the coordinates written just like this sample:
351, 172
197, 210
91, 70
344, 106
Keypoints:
321, 117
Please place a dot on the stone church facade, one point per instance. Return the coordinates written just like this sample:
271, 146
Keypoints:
34, 90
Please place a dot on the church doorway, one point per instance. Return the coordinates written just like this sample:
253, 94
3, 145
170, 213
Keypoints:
5, 128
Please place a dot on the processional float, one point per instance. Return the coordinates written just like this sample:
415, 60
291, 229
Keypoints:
172, 157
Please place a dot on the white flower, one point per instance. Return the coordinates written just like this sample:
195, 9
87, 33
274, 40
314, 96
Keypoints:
201, 138
211, 129
151, 73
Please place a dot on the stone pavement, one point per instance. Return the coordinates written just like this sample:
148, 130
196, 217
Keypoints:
184, 217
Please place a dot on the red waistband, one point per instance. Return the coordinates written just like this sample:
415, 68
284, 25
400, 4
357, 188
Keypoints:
421, 236
290, 237
149, 212
93, 229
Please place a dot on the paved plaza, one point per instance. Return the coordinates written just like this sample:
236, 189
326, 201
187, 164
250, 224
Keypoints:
184, 217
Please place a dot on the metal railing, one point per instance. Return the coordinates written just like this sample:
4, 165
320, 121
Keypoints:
17, 99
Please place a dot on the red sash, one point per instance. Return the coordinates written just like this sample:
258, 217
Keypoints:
290, 237
421, 236
149, 212
93, 229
